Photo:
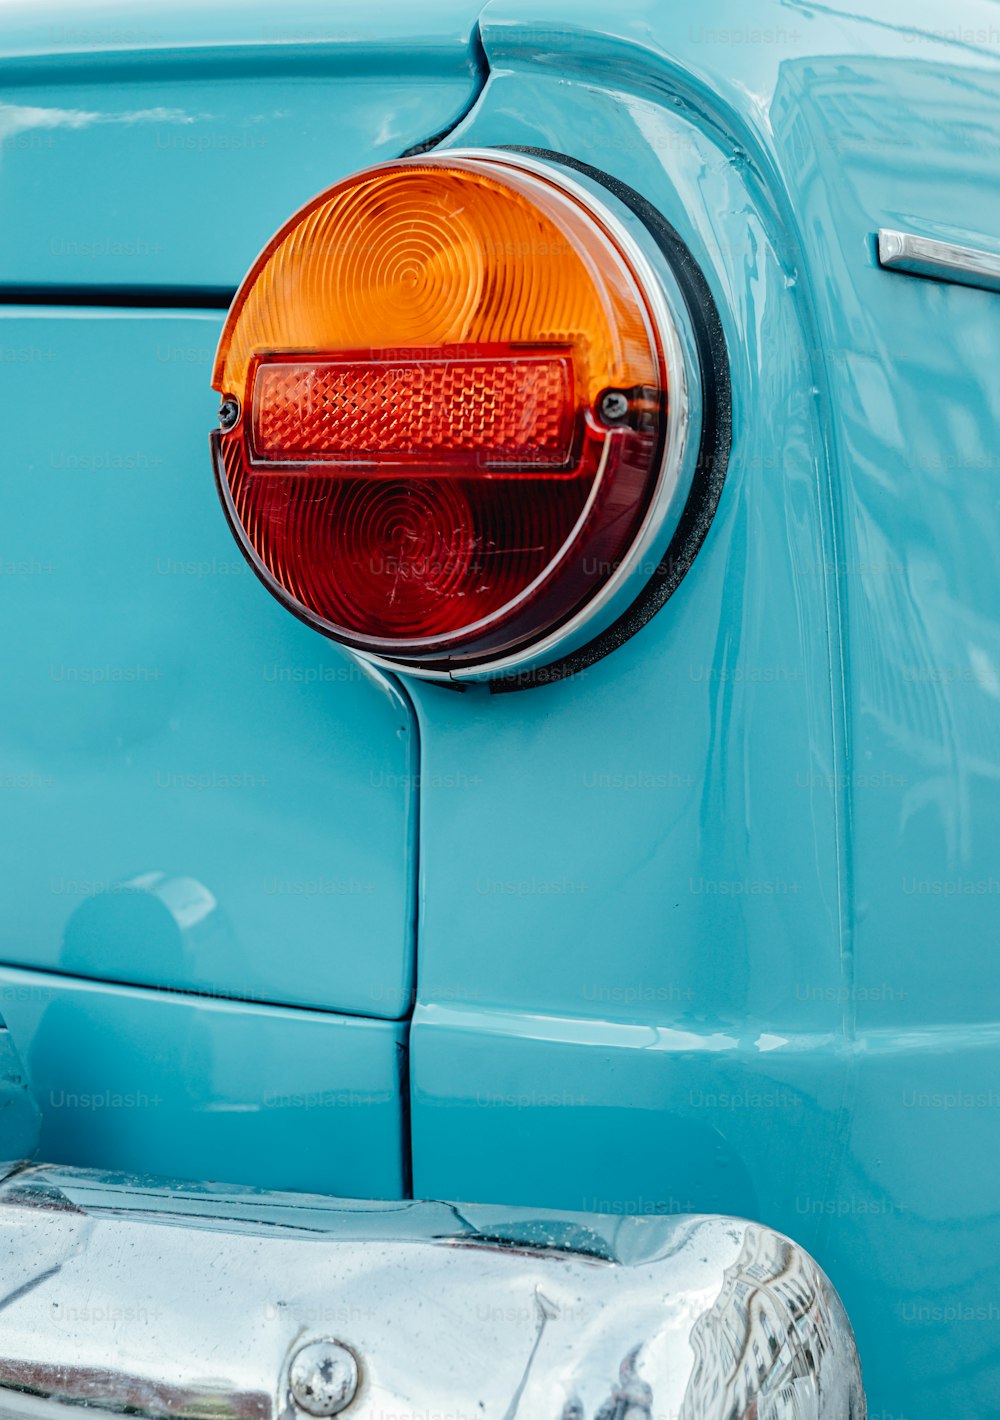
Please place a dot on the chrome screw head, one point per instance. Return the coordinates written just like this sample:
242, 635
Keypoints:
613, 406
323, 1378
229, 412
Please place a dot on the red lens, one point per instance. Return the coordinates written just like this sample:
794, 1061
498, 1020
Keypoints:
421, 557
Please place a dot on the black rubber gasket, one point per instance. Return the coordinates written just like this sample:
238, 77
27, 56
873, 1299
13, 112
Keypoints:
707, 482
713, 449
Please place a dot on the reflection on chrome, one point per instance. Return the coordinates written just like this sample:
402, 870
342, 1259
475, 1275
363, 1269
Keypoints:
941, 261
185, 1302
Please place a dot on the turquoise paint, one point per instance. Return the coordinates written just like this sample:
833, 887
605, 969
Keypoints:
199, 793
161, 145
19, 1117
714, 924
155, 1082
721, 929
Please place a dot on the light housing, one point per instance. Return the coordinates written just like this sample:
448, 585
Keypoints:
460, 413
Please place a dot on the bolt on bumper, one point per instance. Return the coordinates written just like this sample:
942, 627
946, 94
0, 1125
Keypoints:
187, 1302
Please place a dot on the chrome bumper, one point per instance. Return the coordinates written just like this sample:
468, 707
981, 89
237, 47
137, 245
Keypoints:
146, 1298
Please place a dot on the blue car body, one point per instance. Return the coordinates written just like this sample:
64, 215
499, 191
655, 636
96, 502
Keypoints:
710, 926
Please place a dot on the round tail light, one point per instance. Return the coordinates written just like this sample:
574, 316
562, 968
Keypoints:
457, 414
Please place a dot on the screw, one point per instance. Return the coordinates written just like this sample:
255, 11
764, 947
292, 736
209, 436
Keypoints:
229, 412
323, 1378
613, 406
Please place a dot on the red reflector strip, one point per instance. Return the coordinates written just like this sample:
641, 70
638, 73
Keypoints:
512, 412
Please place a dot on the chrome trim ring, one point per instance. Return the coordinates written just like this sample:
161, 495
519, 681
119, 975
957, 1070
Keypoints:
674, 477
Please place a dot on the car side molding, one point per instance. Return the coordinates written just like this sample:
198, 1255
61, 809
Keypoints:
913, 255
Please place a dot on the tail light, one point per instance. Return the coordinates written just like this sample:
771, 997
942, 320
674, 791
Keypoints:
456, 411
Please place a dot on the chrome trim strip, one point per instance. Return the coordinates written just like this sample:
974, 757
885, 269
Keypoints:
180, 1302
941, 261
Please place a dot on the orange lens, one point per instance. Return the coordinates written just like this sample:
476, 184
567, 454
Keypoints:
452, 400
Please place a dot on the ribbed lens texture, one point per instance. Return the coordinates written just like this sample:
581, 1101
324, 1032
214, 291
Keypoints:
509, 413
422, 463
